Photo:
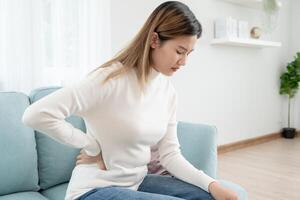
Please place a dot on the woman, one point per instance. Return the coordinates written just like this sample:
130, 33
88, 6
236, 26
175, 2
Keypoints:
128, 105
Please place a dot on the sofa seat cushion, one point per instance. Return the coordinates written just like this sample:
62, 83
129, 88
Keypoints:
18, 168
56, 161
56, 192
242, 194
24, 196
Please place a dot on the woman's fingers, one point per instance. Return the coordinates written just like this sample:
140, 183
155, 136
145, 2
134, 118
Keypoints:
84, 162
78, 162
83, 158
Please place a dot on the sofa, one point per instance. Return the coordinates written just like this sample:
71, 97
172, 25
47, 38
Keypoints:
35, 167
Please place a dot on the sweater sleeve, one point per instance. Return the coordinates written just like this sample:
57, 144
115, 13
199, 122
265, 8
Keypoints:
48, 114
172, 159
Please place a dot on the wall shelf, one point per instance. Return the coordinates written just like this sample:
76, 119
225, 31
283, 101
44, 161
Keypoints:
253, 43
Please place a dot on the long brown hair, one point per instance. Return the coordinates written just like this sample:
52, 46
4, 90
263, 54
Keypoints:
169, 20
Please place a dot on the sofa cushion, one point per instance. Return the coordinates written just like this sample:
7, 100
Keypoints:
24, 196
55, 161
18, 168
56, 193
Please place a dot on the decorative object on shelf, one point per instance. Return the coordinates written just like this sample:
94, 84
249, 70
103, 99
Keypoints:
271, 6
255, 32
225, 27
243, 29
271, 11
289, 84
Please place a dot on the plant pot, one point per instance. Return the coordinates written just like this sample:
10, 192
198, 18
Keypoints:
288, 133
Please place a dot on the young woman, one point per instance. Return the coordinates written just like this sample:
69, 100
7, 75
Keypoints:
129, 105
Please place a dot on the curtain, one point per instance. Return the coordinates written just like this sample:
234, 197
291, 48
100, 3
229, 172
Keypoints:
51, 42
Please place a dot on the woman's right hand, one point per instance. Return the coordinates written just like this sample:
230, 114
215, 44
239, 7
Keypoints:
83, 158
221, 193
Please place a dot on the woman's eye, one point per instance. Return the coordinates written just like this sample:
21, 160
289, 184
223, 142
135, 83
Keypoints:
180, 53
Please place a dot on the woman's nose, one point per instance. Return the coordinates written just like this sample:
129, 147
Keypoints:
182, 61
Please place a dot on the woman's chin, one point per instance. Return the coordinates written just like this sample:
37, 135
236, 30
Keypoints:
168, 73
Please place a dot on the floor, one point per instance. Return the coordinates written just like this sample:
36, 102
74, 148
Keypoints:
268, 171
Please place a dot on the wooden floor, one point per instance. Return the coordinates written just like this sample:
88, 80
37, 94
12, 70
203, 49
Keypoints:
268, 171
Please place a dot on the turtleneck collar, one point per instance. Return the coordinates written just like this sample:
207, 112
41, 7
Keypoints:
153, 74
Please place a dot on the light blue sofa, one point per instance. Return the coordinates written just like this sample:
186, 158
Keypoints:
35, 167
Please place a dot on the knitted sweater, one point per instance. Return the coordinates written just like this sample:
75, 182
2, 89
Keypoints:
122, 123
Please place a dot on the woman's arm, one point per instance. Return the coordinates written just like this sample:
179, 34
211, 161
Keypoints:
172, 159
48, 114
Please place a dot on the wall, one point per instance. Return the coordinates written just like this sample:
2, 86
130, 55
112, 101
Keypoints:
295, 47
234, 88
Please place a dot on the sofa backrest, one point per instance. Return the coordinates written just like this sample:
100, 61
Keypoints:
55, 161
18, 156
198, 144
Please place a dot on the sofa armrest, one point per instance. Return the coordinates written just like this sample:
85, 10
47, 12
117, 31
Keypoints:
199, 146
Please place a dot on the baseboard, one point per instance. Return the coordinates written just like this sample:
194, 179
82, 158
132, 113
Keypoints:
248, 142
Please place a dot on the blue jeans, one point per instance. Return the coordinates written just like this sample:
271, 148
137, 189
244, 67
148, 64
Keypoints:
154, 187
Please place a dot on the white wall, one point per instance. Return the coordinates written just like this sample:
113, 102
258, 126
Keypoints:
234, 88
295, 47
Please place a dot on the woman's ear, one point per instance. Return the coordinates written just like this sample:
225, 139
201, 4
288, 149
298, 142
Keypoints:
154, 40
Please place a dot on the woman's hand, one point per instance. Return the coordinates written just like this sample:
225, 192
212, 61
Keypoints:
221, 193
83, 158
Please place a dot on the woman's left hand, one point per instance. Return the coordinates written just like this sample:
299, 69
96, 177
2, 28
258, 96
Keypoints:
83, 158
221, 193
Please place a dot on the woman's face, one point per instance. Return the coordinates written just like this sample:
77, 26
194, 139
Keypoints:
171, 55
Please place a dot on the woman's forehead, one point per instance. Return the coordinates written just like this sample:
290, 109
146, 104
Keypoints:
184, 42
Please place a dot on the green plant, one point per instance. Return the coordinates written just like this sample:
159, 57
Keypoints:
289, 81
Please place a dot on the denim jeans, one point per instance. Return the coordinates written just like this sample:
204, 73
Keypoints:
154, 187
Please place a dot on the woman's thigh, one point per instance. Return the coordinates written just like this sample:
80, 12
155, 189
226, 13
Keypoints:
119, 193
171, 186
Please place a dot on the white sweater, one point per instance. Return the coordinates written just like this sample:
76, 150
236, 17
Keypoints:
121, 123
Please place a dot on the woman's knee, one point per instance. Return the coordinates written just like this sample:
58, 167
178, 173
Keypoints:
172, 186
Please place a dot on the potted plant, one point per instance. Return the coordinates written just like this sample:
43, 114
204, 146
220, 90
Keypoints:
289, 84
